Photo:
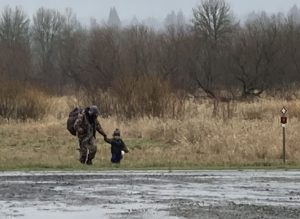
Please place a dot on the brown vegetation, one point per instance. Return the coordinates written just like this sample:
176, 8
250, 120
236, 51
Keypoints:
252, 137
20, 102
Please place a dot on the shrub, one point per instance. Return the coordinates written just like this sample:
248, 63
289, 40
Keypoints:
133, 97
147, 95
21, 102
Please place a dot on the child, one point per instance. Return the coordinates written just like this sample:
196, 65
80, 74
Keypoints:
118, 147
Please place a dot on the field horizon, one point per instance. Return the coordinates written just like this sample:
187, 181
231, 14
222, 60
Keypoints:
252, 137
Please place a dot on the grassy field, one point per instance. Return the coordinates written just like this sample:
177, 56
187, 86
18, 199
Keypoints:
251, 138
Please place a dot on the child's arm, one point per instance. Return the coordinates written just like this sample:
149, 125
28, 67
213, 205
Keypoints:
124, 147
108, 140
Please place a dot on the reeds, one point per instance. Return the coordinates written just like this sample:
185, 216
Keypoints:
252, 136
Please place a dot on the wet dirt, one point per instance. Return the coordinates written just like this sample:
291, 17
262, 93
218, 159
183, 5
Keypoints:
150, 194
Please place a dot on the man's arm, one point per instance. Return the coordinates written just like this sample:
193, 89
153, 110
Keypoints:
99, 128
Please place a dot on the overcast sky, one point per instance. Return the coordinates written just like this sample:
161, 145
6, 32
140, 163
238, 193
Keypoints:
99, 9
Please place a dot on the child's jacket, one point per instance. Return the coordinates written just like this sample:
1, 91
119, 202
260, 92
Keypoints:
117, 145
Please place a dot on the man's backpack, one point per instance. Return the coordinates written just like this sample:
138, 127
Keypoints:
73, 115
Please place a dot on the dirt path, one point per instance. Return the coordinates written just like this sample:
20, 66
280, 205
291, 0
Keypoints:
151, 194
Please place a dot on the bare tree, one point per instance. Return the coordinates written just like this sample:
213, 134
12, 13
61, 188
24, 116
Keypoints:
213, 27
102, 62
175, 51
15, 62
257, 55
70, 51
47, 28
138, 50
292, 44
213, 20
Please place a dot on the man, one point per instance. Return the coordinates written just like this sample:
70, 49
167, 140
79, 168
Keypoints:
86, 126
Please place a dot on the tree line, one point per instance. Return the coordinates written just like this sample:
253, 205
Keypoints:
215, 54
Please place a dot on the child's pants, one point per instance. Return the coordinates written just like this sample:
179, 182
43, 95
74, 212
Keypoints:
116, 157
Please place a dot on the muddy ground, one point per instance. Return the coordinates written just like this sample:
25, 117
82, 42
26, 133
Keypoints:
150, 194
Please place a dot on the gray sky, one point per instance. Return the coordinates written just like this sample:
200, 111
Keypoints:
99, 9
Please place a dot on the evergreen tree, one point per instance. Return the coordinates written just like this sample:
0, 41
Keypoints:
134, 21
171, 19
113, 18
180, 18
294, 14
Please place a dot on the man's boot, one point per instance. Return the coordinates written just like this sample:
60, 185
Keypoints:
89, 162
82, 160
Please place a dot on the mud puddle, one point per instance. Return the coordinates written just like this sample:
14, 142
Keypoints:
150, 194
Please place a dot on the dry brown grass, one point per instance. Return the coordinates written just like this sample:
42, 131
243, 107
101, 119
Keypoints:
252, 136
20, 102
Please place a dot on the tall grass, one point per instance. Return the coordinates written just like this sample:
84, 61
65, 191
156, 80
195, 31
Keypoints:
20, 102
134, 97
252, 136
